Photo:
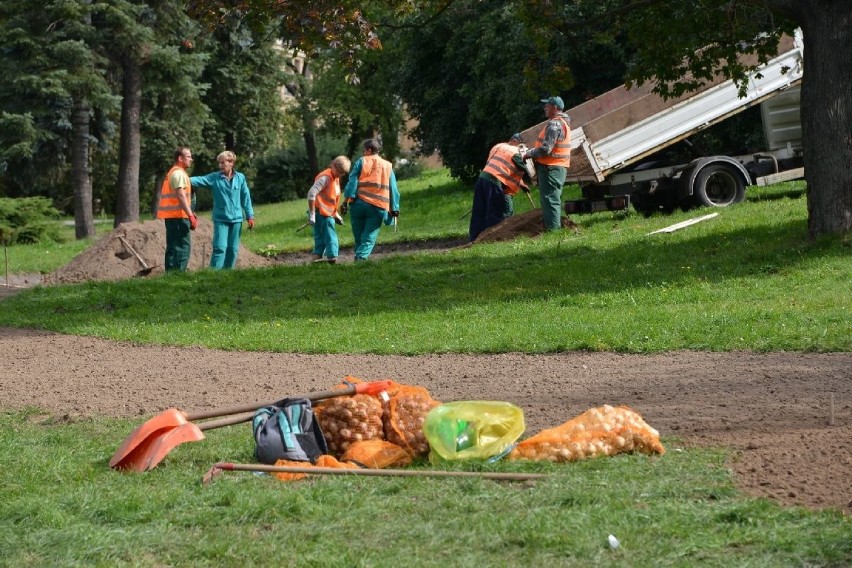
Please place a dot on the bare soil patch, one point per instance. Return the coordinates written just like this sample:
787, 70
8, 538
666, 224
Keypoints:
772, 409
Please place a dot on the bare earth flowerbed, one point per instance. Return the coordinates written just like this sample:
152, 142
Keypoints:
773, 409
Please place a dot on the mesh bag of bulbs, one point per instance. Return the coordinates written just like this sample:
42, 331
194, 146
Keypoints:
600, 431
394, 418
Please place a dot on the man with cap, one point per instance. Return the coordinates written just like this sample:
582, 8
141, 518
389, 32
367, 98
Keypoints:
502, 177
552, 156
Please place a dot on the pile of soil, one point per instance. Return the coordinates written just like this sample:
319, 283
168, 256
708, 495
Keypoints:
111, 258
528, 224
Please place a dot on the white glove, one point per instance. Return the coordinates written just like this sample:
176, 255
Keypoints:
312, 217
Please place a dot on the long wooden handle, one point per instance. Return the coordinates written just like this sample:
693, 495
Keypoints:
321, 395
136, 254
370, 387
228, 466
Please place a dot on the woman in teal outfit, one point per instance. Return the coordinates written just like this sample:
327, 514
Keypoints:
231, 204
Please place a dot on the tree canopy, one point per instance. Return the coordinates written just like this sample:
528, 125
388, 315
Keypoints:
470, 71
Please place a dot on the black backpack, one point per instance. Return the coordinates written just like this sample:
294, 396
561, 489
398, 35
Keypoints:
288, 430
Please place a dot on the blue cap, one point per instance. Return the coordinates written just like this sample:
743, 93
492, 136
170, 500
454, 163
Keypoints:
555, 101
515, 136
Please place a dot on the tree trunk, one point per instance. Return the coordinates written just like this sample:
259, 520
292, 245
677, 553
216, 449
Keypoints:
311, 147
827, 114
127, 192
84, 225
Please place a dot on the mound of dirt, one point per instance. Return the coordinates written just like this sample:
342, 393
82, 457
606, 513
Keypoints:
528, 224
113, 257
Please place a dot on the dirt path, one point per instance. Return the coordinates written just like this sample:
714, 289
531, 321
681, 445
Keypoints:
773, 409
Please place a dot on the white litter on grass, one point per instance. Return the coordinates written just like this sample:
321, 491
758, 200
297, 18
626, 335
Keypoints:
613, 542
682, 224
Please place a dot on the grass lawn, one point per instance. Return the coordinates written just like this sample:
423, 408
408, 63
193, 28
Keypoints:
748, 279
63, 506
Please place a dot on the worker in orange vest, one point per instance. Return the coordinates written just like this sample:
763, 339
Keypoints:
323, 199
372, 197
175, 209
552, 156
502, 177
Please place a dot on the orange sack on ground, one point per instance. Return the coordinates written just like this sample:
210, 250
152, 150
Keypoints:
601, 431
376, 454
322, 461
404, 415
345, 420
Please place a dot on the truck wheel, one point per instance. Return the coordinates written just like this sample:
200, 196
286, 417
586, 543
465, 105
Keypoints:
718, 185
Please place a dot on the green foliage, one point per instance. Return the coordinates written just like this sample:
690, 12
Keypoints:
286, 174
408, 168
47, 64
29, 220
360, 108
63, 505
174, 112
467, 97
244, 73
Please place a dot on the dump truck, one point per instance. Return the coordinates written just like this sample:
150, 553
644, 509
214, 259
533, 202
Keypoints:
615, 136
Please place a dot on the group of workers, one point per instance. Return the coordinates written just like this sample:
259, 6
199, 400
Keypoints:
371, 196
511, 165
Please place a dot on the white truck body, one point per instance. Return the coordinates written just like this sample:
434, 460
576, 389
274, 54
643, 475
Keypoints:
623, 126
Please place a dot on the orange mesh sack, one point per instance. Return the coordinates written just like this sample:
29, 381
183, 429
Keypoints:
601, 431
376, 454
345, 420
404, 415
322, 461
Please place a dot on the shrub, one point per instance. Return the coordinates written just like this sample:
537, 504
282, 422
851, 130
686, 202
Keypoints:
285, 174
28, 220
408, 168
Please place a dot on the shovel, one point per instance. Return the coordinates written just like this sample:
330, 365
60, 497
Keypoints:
146, 270
152, 440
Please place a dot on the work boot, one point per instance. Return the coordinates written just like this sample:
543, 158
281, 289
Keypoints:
316, 257
332, 260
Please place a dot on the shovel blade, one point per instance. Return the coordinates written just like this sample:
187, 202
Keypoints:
144, 435
164, 444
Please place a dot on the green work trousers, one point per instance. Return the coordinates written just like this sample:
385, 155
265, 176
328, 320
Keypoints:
178, 244
366, 221
550, 182
325, 237
226, 244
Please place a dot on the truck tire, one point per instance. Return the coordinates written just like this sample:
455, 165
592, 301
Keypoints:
718, 185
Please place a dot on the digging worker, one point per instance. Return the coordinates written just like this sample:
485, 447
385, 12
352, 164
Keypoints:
372, 198
552, 157
231, 204
323, 200
175, 209
502, 177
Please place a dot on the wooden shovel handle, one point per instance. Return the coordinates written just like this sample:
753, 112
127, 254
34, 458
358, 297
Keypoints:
227, 466
372, 387
136, 254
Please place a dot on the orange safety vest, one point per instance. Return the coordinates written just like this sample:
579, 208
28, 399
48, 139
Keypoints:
560, 154
328, 197
500, 165
169, 206
374, 181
